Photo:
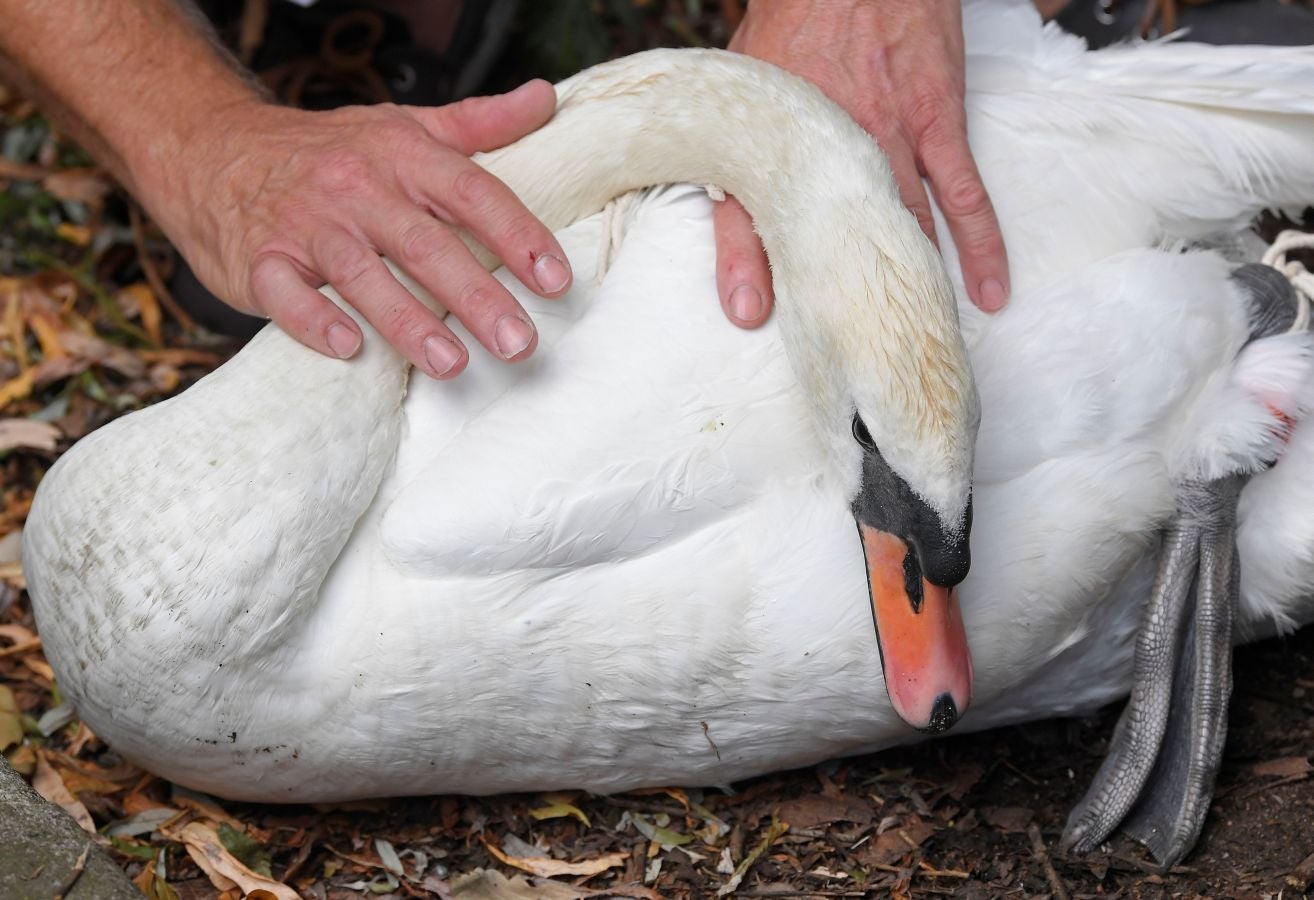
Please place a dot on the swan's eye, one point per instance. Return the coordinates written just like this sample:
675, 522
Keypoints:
861, 434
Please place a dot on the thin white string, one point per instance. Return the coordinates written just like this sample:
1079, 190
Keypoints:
1301, 279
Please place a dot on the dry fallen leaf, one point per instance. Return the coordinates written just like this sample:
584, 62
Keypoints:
21, 171
92, 348
487, 884
39, 667
48, 784
13, 573
84, 735
885, 850
1287, 767
16, 388
550, 868
17, 634
1014, 819
77, 235
29, 433
47, 327
223, 869
197, 804
149, 882
87, 186
77, 782
136, 802
22, 760
811, 810
147, 308
11, 722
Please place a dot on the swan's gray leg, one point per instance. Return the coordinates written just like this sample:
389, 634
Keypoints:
1136, 740
1168, 819
1158, 778
1159, 775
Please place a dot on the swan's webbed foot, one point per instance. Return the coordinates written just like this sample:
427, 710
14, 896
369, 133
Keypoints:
1158, 777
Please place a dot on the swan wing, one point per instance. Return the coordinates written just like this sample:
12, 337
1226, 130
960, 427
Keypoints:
651, 418
1065, 138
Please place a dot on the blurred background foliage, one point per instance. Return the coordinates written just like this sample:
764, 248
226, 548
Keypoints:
556, 38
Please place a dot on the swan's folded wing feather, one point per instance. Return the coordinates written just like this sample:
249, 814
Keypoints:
651, 418
620, 511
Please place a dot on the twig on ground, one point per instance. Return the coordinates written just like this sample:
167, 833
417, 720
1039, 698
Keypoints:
152, 272
308, 847
1042, 856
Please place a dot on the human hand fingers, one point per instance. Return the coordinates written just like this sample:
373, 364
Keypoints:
486, 123
356, 272
461, 193
382, 178
897, 67
743, 279
279, 291
962, 197
435, 257
466, 195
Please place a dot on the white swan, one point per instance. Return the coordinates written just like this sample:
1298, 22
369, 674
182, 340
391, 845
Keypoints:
632, 561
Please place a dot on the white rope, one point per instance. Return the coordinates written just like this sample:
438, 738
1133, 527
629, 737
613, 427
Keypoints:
1301, 279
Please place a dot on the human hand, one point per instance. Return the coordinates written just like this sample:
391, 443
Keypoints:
284, 201
896, 66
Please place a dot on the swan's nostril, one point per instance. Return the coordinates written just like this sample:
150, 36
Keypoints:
943, 715
912, 579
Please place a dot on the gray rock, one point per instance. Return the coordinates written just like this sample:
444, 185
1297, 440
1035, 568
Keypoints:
40, 846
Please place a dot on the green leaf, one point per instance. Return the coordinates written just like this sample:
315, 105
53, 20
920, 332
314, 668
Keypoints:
664, 836
129, 847
384, 885
247, 850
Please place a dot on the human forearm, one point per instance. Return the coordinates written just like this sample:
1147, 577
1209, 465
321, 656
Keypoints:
269, 203
133, 81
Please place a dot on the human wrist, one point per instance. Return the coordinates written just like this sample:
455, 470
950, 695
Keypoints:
158, 161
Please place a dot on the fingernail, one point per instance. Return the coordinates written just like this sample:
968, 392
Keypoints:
993, 296
441, 354
342, 340
551, 274
746, 303
512, 335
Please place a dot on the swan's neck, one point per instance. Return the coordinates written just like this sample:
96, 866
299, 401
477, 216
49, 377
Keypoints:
867, 314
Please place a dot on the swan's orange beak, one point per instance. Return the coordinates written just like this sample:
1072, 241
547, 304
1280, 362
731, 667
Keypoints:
928, 669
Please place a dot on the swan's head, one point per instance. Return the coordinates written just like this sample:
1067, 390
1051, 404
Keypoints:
879, 349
